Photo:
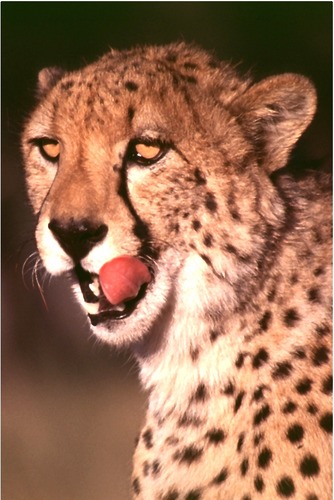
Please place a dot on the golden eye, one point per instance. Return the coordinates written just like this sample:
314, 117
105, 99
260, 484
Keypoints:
49, 148
147, 152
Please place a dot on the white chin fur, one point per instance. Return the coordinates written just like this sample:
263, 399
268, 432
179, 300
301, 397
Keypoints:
139, 323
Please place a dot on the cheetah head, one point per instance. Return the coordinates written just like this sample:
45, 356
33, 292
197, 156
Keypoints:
159, 156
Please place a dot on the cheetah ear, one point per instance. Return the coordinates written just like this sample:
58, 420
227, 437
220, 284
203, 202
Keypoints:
274, 113
47, 78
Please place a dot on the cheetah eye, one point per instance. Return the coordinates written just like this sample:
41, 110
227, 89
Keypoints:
145, 153
49, 149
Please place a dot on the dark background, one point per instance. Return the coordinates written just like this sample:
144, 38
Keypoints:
71, 407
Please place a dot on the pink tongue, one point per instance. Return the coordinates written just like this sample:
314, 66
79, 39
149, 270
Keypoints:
122, 277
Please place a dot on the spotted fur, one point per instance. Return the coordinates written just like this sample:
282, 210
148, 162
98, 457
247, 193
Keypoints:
233, 334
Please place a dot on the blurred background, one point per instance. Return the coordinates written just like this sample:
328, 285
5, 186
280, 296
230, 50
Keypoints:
71, 407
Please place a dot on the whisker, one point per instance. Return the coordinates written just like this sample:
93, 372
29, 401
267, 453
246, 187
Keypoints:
38, 267
28, 268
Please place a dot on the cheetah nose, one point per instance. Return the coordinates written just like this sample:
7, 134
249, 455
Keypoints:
77, 238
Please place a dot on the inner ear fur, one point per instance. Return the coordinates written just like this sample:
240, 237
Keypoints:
274, 113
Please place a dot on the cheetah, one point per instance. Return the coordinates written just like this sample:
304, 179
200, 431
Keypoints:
159, 177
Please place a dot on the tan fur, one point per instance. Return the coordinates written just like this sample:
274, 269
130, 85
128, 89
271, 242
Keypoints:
233, 335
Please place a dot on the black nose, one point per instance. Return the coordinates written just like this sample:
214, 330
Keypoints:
77, 238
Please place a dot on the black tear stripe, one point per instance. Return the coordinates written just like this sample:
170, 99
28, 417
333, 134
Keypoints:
140, 229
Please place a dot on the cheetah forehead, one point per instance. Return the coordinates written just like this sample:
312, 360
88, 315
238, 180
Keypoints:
151, 69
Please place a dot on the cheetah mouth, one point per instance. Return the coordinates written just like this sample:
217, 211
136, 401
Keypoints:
98, 308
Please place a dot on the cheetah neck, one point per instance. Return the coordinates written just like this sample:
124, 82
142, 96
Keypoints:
190, 346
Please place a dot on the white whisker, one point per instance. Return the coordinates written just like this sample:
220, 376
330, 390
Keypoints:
33, 267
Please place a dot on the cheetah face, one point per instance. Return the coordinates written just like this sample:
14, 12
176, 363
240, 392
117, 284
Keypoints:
159, 157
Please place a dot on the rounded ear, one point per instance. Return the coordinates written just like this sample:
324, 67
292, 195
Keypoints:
274, 113
47, 78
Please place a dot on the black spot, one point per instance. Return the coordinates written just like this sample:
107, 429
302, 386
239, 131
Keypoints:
235, 214
317, 236
322, 330
89, 102
190, 65
208, 240
214, 335
221, 477
187, 420
327, 385
285, 487
238, 401
312, 497
172, 441
193, 495
318, 271
282, 370
290, 317
231, 249
271, 295
215, 436
146, 468
136, 486
246, 497
210, 202
260, 358
312, 409
200, 179
304, 386
189, 78
189, 454
262, 415
258, 393
244, 467
147, 438
200, 393
265, 321
231, 202
229, 389
67, 85
294, 279
320, 356
295, 433
289, 407
259, 484
131, 86
171, 495
194, 353
313, 295
206, 259
299, 353
309, 466
326, 422
240, 442
264, 458
171, 57
156, 467
131, 113
196, 224
240, 360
